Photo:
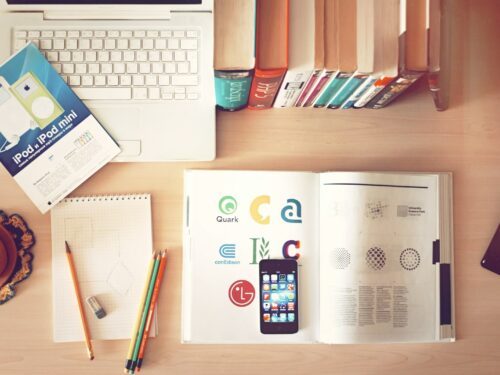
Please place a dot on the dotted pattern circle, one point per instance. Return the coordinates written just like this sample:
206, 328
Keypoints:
341, 258
409, 259
375, 258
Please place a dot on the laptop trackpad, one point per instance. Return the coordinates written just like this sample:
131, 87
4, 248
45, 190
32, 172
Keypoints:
124, 125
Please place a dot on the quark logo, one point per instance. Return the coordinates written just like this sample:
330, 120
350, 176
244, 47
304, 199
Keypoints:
228, 250
255, 208
241, 293
228, 205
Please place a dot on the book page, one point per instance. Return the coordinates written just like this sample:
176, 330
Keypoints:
378, 280
233, 220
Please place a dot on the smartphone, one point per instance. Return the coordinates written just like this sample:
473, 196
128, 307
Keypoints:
279, 302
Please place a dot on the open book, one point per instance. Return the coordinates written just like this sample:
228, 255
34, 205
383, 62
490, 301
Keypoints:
374, 250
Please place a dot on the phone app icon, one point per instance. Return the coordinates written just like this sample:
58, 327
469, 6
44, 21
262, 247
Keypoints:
275, 297
291, 306
282, 277
274, 317
291, 286
265, 286
274, 278
274, 286
282, 306
266, 306
265, 278
266, 317
283, 317
291, 317
282, 286
265, 296
291, 296
274, 306
284, 296
290, 277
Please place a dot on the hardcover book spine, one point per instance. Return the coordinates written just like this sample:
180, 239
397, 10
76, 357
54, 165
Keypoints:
360, 91
265, 86
333, 87
346, 90
321, 83
372, 91
394, 89
293, 84
232, 89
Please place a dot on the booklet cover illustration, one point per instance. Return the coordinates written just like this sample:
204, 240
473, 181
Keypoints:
49, 140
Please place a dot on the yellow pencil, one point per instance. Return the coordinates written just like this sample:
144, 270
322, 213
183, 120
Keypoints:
133, 336
83, 317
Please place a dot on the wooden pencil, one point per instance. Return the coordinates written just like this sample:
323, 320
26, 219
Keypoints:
135, 329
144, 316
156, 292
83, 317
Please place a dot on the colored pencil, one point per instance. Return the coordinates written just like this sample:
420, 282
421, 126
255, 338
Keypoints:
156, 292
144, 316
133, 336
83, 317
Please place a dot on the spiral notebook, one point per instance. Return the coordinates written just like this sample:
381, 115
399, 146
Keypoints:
111, 241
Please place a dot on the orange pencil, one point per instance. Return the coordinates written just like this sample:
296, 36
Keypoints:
156, 292
83, 317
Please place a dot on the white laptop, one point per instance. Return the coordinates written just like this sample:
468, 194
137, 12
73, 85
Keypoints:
144, 68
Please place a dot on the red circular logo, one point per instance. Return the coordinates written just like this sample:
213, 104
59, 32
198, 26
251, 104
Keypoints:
241, 293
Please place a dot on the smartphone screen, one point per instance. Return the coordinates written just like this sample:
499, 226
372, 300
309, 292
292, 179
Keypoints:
279, 308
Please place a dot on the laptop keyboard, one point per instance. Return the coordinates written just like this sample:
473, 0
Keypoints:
121, 64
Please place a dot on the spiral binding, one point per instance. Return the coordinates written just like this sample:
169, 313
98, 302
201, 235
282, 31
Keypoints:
107, 198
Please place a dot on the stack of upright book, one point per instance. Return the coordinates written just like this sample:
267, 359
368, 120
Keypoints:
328, 53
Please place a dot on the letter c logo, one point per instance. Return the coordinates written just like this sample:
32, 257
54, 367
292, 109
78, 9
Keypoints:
286, 249
255, 206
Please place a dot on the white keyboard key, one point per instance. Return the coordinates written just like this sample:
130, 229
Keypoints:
122, 44
112, 80
19, 43
57, 67
110, 93
145, 68
33, 34
141, 56
166, 34
161, 44
58, 44
192, 95
157, 68
140, 93
77, 56
148, 44
119, 68
52, 56
167, 93
100, 80
193, 67
90, 56
173, 44
47, 34
154, 56
73, 34
154, 93
183, 67
74, 80
139, 33
179, 90
110, 44
169, 67
113, 34
163, 80
87, 34
103, 56
189, 44
87, 81
100, 33
125, 80
180, 56
46, 44
94, 68
20, 34
126, 34
185, 80
106, 68
152, 34
84, 44
179, 34
71, 44
167, 56
151, 80
179, 96
132, 68
138, 80
135, 44
80, 68
60, 34
64, 56
192, 34
128, 56
97, 44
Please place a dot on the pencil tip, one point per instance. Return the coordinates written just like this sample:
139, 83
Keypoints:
68, 250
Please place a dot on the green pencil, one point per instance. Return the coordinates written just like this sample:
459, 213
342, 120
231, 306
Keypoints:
135, 357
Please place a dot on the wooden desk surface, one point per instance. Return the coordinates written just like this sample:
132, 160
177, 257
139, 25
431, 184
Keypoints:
408, 136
